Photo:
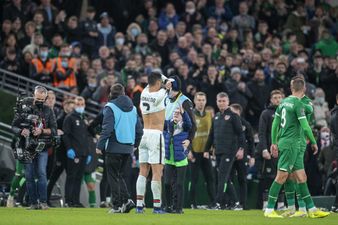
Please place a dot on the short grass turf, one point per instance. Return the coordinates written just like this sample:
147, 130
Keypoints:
69, 216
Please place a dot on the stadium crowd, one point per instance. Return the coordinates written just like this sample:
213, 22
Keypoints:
247, 49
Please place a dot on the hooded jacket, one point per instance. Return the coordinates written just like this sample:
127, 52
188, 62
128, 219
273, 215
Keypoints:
108, 141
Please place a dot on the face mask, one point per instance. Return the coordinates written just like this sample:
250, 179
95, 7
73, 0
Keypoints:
43, 55
64, 64
325, 135
190, 11
320, 99
39, 104
119, 41
92, 85
134, 32
79, 110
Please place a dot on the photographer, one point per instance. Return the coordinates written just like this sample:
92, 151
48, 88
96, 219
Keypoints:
38, 136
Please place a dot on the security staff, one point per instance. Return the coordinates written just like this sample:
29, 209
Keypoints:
239, 166
44, 129
42, 67
266, 165
200, 160
228, 139
77, 142
121, 134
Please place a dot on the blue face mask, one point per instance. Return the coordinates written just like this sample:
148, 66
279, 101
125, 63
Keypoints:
44, 55
64, 64
79, 110
135, 32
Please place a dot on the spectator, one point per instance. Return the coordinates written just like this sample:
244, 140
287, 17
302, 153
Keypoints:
106, 31
28, 35
259, 98
11, 62
221, 11
57, 42
281, 80
243, 21
320, 109
237, 89
142, 45
42, 67
91, 85
65, 69
296, 22
168, 17
133, 31
90, 33
33, 47
327, 45
191, 15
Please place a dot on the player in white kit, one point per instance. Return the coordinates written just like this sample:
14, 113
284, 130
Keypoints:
151, 149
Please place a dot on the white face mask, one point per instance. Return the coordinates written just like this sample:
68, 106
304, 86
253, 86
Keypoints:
190, 11
119, 41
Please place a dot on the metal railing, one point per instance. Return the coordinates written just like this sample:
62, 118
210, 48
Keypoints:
14, 84
6, 134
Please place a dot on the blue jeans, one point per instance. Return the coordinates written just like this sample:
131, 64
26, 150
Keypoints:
37, 170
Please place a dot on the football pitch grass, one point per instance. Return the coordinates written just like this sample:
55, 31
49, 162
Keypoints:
70, 216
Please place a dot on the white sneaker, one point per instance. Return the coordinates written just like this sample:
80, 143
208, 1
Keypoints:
10, 202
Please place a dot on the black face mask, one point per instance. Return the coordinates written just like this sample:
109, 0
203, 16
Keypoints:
39, 104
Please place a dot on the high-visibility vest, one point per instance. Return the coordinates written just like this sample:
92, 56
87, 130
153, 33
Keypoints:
70, 81
40, 66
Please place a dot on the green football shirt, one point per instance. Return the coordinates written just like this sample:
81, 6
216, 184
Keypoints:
290, 111
308, 107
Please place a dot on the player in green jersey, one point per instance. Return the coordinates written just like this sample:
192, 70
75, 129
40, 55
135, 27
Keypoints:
291, 186
290, 117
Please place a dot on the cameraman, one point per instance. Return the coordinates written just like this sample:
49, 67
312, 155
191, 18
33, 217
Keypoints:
42, 131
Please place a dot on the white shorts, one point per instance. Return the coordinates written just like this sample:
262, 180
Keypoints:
151, 149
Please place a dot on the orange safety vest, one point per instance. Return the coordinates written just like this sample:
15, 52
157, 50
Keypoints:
70, 81
40, 66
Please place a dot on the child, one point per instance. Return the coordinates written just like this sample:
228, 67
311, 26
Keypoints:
176, 162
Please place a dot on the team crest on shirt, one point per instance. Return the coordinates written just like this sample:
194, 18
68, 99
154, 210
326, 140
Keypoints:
226, 117
243, 128
77, 122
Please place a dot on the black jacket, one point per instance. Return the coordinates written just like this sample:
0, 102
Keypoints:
249, 146
47, 115
108, 131
334, 127
266, 168
76, 134
226, 134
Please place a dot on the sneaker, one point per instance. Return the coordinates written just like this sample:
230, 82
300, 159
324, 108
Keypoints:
44, 206
10, 202
115, 210
158, 211
288, 213
103, 205
194, 206
298, 214
215, 206
127, 207
318, 214
139, 210
334, 209
168, 209
236, 207
272, 214
33, 207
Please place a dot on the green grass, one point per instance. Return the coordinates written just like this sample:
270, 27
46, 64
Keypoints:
67, 216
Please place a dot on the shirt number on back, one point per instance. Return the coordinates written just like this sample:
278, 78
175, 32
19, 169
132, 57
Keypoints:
283, 118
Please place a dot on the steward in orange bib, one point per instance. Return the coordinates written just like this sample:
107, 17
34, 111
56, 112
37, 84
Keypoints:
42, 67
65, 69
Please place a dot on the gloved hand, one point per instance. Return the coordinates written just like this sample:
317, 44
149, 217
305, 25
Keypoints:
71, 153
89, 159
